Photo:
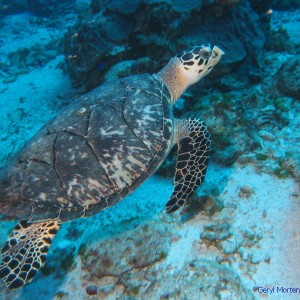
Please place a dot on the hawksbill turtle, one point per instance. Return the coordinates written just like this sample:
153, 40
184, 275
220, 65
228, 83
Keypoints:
95, 152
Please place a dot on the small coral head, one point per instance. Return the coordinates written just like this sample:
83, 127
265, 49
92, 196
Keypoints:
199, 61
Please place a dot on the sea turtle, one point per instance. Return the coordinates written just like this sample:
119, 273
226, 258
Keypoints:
95, 152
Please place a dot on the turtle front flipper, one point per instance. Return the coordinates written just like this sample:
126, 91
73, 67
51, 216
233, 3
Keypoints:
193, 155
25, 252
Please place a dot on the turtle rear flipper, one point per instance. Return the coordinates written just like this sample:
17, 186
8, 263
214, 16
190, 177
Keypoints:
25, 252
193, 155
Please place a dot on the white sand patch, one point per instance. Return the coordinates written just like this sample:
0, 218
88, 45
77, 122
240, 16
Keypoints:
35, 88
25, 104
272, 211
23, 31
181, 249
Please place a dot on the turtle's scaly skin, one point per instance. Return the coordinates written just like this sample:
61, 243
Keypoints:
100, 148
22, 262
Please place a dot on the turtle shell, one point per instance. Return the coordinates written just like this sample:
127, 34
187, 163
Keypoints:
96, 151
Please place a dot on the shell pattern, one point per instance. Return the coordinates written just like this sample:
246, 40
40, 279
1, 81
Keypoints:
100, 148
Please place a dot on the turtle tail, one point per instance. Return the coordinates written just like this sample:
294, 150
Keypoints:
25, 252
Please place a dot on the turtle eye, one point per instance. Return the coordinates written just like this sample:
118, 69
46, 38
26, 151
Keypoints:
205, 54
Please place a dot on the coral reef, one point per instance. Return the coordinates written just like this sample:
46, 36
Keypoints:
288, 78
156, 30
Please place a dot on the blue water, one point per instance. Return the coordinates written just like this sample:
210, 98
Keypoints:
232, 234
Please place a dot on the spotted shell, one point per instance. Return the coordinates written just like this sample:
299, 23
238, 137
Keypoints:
96, 151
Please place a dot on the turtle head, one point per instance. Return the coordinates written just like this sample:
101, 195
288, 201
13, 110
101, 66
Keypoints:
188, 67
199, 61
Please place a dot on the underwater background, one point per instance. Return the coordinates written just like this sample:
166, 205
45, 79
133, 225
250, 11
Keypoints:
241, 229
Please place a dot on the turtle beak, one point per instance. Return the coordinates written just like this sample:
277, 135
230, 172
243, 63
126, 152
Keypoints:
216, 54
218, 51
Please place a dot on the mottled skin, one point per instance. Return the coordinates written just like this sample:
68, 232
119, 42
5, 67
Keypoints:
95, 152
